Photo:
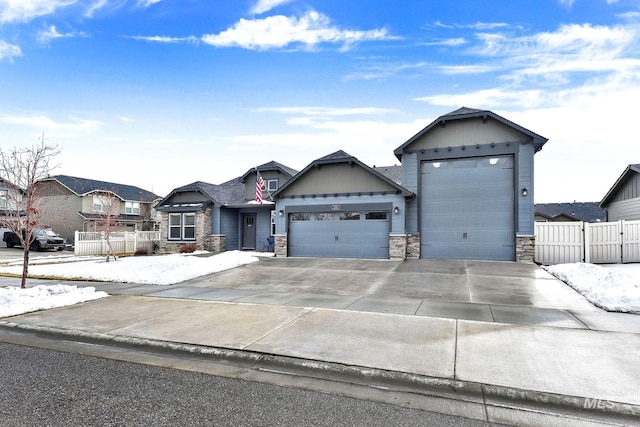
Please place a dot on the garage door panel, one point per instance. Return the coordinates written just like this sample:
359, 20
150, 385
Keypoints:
339, 235
467, 209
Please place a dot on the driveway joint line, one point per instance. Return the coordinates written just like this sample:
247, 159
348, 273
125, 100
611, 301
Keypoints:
276, 329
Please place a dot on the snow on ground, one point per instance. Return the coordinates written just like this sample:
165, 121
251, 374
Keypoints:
613, 287
155, 270
14, 301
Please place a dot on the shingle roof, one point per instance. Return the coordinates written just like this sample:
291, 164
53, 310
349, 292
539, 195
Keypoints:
580, 211
271, 166
83, 186
394, 173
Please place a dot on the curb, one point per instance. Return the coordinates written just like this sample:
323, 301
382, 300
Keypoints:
487, 402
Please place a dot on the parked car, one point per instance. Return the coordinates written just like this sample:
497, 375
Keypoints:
44, 238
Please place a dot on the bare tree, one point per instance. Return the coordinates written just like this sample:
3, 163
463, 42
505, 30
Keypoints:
107, 213
20, 169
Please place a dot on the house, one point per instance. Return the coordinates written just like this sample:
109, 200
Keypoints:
80, 204
339, 207
576, 211
472, 172
464, 190
225, 216
622, 201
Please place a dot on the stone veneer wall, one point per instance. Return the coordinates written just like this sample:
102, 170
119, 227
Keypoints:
218, 243
413, 246
397, 246
280, 245
525, 248
203, 233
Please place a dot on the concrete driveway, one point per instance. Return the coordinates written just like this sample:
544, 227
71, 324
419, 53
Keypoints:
431, 281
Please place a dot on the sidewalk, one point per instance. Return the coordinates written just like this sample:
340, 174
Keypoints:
500, 372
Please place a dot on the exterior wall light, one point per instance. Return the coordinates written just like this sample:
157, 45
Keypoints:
280, 212
525, 192
396, 210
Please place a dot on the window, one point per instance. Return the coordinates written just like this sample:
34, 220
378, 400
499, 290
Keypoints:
272, 184
273, 222
376, 215
3, 198
182, 226
300, 217
132, 208
350, 216
324, 216
100, 203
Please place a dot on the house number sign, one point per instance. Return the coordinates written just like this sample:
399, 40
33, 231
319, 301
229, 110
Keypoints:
335, 207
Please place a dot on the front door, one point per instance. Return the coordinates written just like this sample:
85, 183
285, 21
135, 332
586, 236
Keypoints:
249, 231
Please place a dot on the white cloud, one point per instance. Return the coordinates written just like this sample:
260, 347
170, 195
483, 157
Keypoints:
383, 70
262, 6
74, 127
147, 3
126, 119
165, 39
97, 5
25, 10
327, 111
280, 31
9, 51
448, 42
52, 33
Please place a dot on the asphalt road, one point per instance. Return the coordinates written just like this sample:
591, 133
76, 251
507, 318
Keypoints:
54, 388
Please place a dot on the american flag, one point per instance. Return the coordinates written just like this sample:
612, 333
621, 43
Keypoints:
259, 187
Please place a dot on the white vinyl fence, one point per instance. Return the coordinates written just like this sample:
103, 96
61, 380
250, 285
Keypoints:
597, 243
122, 242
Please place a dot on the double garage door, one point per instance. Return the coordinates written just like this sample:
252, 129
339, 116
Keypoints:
344, 234
467, 209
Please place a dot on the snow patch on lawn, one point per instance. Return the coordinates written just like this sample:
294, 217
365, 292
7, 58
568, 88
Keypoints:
612, 287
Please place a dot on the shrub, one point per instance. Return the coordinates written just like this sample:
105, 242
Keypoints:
142, 251
187, 248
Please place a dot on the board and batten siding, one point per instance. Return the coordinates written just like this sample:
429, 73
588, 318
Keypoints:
230, 227
626, 209
410, 165
524, 179
468, 133
337, 178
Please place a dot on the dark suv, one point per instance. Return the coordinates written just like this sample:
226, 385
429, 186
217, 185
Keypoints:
43, 239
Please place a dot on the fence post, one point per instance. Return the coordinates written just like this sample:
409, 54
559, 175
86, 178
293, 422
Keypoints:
76, 239
621, 225
586, 239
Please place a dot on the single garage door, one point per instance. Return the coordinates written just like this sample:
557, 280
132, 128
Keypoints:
361, 234
467, 209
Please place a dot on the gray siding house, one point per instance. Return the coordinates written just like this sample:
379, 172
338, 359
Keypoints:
464, 190
339, 207
80, 204
223, 217
472, 172
622, 201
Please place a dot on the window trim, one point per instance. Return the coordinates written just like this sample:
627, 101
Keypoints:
269, 182
132, 208
182, 226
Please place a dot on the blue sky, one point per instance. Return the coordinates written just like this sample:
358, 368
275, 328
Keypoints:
161, 93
